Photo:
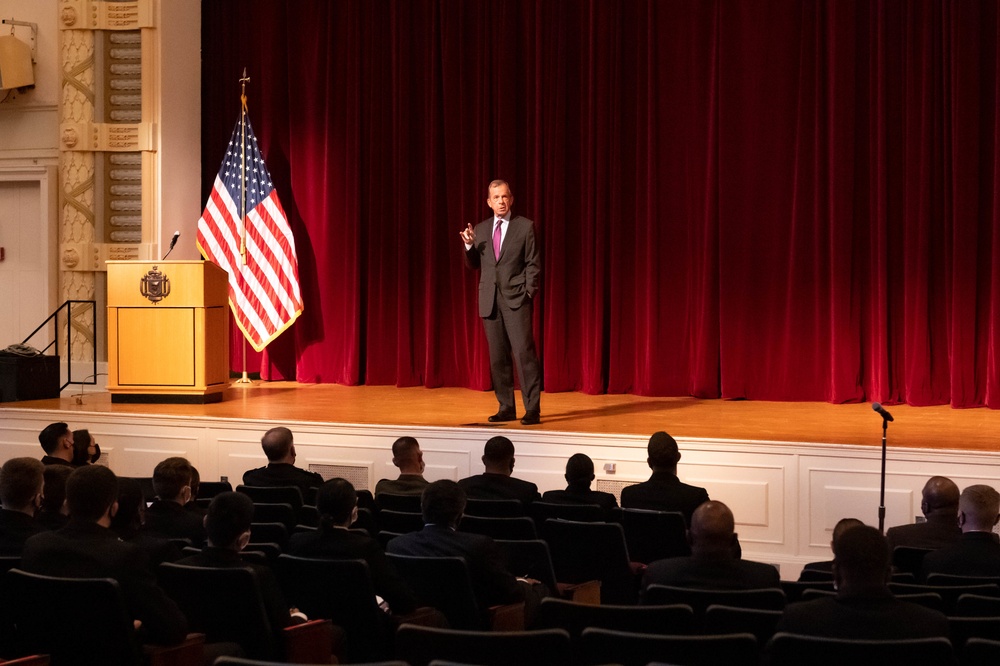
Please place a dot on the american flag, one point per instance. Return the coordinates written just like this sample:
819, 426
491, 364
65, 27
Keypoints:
264, 287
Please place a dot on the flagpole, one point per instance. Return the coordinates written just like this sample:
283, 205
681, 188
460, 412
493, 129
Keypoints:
245, 379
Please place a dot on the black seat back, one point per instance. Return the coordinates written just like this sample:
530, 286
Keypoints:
519, 528
445, 584
654, 535
592, 551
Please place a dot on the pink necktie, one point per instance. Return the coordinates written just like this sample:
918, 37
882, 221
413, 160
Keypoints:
496, 239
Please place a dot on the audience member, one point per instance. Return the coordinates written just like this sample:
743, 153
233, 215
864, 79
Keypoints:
57, 443
826, 566
442, 504
579, 476
86, 450
21, 484
54, 512
166, 516
87, 548
407, 456
497, 482
192, 504
863, 607
227, 524
664, 491
337, 503
128, 522
712, 564
977, 552
939, 504
281, 470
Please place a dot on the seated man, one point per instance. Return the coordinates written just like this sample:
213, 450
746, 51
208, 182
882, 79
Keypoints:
87, 548
57, 443
497, 482
337, 503
54, 512
664, 491
407, 456
21, 484
977, 553
227, 524
281, 470
863, 607
86, 450
826, 566
579, 476
712, 564
442, 505
166, 516
939, 504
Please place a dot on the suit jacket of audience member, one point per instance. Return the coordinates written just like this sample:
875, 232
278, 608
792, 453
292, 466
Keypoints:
283, 474
664, 492
51, 520
582, 494
975, 554
406, 484
826, 566
88, 550
938, 531
711, 573
15, 528
875, 616
491, 581
270, 591
52, 460
172, 521
499, 486
335, 543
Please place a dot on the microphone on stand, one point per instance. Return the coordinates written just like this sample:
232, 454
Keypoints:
877, 407
177, 234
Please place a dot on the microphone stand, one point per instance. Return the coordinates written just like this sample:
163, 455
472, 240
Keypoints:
881, 498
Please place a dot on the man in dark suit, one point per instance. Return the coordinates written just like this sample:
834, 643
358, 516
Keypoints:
712, 564
977, 553
87, 548
496, 482
579, 476
863, 608
21, 484
166, 516
57, 443
407, 456
826, 566
939, 503
664, 491
442, 505
279, 448
337, 503
503, 248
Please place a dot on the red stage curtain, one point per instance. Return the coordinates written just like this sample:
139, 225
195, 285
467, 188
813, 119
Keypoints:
765, 199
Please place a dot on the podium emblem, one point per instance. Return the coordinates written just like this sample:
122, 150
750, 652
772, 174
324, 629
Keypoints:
154, 286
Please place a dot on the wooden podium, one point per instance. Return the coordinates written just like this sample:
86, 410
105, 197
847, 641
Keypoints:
168, 331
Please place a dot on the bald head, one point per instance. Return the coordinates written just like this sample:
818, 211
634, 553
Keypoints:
278, 445
940, 496
978, 509
712, 529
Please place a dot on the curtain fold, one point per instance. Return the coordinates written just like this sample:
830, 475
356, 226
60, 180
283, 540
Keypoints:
773, 200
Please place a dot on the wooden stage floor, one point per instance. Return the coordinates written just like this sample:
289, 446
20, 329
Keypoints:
938, 427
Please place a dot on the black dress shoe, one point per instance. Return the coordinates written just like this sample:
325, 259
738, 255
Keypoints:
531, 418
502, 416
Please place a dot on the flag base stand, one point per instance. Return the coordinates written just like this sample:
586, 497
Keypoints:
243, 380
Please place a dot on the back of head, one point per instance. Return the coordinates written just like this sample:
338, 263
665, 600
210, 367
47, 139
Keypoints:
940, 495
713, 529
842, 526
405, 452
131, 505
228, 518
50, 435
662, 451
442, 503
861, 558
54, 493
81, 448
498, 455
336, 500
979, 508
579, 469
21, 481
90, 491
170, 477
277, 443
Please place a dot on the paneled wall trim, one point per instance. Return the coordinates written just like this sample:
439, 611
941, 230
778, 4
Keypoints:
786, 496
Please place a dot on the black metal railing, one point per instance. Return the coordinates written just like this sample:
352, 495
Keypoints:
68, 306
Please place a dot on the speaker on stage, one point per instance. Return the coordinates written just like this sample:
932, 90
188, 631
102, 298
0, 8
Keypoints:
28, 377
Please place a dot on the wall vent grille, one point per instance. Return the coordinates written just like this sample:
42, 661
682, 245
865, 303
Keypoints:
614, 487
358, 475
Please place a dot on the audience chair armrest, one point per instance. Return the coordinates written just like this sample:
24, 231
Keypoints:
313, 642
425, 616
507, 617
189, 651
587, 592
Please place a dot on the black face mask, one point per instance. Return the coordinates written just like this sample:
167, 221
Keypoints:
97, 453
